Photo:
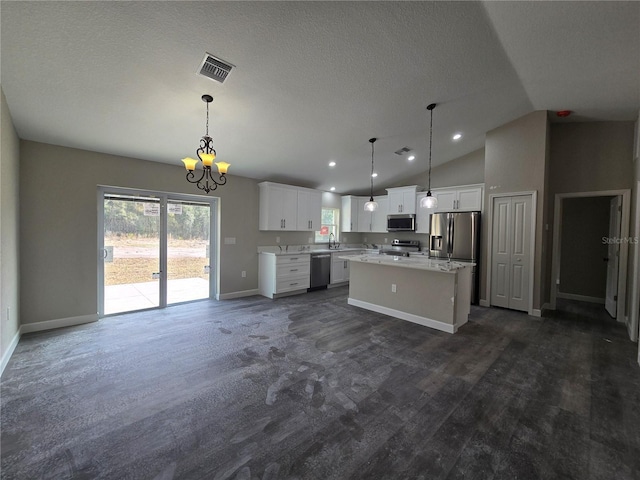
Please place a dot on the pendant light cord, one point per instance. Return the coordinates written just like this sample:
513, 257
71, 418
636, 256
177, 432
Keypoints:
430, 108
372, 140
430, 142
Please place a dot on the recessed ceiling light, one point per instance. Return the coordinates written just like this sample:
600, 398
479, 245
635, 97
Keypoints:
457, 136
332, 163
333, 189
411, 158
374, 174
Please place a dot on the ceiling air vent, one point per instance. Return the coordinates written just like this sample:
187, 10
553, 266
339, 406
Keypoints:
214, 68
402, 151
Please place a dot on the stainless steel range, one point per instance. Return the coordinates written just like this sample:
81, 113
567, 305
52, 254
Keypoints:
401, 248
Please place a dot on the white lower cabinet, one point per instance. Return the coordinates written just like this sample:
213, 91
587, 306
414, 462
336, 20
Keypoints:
280, 274
339, 270
340, 266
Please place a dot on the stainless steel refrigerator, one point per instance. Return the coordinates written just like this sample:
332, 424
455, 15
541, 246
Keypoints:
456, 235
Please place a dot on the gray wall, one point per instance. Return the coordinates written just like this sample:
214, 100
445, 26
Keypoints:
59, 225
591, 156
9, 225
516, 157
584, 222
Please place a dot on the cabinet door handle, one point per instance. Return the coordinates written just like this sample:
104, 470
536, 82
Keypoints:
293, 270
294, 283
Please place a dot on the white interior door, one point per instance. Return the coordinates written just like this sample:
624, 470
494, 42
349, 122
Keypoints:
520, 253
613, 255
501, 254
511, 252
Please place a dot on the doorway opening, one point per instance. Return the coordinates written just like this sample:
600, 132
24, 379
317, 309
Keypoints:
590, 249
155, 249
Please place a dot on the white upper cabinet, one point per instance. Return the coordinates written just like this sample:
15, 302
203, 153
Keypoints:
464, 198
349, 214
446, 200
375, 221
309, 210
423, 215
470, 198
379, 220
282, 207
364, 217
402, 199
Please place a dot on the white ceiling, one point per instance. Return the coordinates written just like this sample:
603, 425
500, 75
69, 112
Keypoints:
313, 80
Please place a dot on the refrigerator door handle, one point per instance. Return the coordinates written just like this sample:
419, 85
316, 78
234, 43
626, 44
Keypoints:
450, 235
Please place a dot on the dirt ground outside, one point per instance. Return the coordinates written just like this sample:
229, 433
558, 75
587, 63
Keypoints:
135, 259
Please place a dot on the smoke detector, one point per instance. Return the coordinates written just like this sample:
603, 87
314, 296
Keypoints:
214, 68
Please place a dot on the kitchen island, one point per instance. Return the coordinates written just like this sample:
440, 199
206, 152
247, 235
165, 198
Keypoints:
433, 293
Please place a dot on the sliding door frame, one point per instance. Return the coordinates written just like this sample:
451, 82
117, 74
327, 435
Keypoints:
164, 198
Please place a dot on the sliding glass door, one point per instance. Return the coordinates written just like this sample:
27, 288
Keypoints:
154, 250
188, 232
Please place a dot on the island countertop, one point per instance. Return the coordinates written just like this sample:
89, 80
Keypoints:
420, 263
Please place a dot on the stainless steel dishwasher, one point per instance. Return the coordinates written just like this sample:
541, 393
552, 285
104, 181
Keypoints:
320, 270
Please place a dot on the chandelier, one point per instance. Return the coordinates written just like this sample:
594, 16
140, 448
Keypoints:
207, 154
429, 201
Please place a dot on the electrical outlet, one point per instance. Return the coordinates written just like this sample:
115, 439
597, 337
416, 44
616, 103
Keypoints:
386, 240
310, 240
393, 288
277, 239
244, 274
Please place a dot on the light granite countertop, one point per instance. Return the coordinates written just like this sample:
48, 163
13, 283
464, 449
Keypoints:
420, 263
294, 251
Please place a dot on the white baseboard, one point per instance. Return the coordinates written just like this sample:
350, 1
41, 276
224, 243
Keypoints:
484, 303
536, 312
240, 294
7, 355
580, 298
57, 323
427, 322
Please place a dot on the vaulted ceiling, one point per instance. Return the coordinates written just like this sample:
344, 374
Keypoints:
313, 81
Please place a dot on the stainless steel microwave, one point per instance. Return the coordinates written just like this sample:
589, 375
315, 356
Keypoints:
401, 223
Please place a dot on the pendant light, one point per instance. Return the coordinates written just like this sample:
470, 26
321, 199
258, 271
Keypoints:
429, 201
371, 205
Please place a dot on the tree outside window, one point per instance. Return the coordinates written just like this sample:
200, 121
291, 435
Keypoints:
329, 224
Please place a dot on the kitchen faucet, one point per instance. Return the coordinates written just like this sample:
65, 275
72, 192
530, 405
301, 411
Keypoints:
334, 240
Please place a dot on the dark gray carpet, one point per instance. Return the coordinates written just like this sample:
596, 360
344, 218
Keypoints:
308, 387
